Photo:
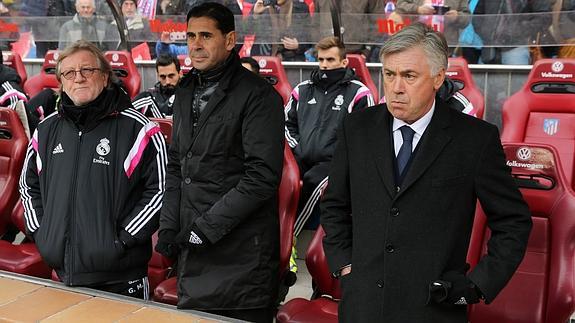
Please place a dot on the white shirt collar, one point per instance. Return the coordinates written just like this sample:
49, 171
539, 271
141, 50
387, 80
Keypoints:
418, 126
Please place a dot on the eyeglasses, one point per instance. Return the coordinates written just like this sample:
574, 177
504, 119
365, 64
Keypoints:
86, 72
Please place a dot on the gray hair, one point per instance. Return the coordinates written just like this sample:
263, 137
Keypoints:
419, 34
83, 45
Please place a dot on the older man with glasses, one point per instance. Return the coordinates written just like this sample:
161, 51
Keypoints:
93, 180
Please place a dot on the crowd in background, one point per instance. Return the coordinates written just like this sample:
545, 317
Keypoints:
275, 26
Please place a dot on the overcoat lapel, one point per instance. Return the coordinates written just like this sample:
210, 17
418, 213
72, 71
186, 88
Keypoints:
432, 143
380, 137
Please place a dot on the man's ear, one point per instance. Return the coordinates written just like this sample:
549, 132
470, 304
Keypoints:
231, 40
344, 62
438, 79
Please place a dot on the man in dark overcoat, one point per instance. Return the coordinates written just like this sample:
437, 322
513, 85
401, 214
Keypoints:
224, 167
403, 187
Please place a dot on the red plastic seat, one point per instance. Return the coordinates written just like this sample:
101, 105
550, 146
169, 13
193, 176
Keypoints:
459, 72
288, 192
126, 70
22, 258
543, 110
159, 267
46, 79
166, 127
542, 290
358, 64
13, 143
185, 64
14, 60
323, 305
271, 66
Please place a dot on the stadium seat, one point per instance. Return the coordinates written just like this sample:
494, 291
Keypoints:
288, 192
271, 67
543, 110
14, 60
13, 144
126, 70
459, 72
46, 79
185, 64
358, 64
166, 127
323, 305
22, 258
543, 288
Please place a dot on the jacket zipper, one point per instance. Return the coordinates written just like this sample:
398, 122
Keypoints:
73, 215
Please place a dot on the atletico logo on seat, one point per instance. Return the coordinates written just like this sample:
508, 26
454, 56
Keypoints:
551, 126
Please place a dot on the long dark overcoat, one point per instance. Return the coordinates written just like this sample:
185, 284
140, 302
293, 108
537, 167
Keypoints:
399, 241
224, 177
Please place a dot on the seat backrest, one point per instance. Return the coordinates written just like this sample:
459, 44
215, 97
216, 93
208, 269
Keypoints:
316, 263
459, 72
17, 217
543, 110
542, 290
185, 64
165, 127
271, 66
288, 198
46, 79
358, 64
13, 144
14, 60
126, 70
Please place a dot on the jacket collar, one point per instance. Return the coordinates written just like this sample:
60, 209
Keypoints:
434, 140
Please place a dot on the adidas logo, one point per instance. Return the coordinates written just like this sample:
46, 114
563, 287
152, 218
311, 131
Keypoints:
58, 149
312, 101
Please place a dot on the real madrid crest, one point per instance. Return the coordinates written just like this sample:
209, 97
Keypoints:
103, 147
338, 100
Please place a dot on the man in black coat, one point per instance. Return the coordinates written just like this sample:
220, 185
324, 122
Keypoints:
224, 169
403, 187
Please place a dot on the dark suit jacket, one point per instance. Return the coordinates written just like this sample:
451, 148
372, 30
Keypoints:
399, 242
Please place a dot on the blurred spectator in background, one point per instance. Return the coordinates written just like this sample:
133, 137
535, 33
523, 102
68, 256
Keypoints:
44, 30
357, 24
85, 25
563, 28
446, 16
250, 64
168, 7
469, 41
165, 46
500, 27
138, 27
157, 101
297, 16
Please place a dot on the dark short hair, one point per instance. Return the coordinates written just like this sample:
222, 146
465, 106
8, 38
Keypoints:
223, 16
167, 60
330, 42
253, 64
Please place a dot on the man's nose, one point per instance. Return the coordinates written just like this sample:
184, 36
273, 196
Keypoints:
398, 85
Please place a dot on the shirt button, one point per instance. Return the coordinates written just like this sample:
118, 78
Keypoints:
394, 211
389, 248
187, 180
380, 283
189, 155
